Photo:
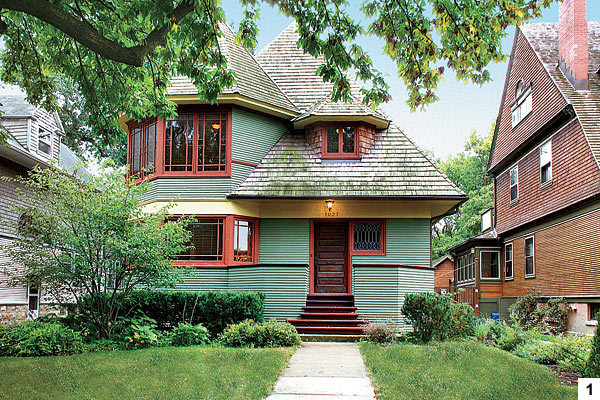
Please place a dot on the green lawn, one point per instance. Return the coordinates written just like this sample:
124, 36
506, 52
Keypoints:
159, 373
458, 370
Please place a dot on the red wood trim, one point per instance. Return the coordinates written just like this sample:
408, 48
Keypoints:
254, 241
395, 265
311, 271
381, 252
244, 265
249, 164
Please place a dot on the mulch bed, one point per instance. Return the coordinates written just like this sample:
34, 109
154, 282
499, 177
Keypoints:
568, 378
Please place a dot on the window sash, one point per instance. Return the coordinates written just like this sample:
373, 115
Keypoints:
514, 184
529, 257
508, 261
142, 149
207, 239
243, 240
340, 140
44, 142
490, 268
546, 161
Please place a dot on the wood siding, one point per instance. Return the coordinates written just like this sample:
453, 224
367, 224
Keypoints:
575, 176
284, 240
567, 260
490, 289
17, 128
547, 100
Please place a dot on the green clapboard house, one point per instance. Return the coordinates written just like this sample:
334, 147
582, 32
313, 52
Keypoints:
325, 207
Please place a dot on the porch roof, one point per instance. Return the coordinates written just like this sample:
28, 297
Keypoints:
392, 167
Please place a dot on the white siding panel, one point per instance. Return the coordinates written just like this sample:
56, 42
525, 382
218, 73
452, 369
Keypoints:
9, 295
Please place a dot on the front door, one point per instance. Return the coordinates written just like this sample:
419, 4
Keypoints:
331, 257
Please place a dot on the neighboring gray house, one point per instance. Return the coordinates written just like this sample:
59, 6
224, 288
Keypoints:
35, 139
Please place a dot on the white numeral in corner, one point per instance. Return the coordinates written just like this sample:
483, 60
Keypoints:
588, 389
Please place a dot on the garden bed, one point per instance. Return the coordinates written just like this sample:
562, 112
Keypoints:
172, 373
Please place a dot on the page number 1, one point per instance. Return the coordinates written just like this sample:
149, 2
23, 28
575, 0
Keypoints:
588, 389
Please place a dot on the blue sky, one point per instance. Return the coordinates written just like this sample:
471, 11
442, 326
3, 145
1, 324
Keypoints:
442, 127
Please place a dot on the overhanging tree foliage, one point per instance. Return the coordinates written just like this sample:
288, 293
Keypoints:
468, 171
121, 53
86, 241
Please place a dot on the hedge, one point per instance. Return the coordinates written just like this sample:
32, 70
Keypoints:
215, 310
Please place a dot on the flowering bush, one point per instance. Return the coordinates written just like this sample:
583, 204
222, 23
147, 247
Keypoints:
462, 320
139, 332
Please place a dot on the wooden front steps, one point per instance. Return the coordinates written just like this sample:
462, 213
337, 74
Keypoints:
329, 314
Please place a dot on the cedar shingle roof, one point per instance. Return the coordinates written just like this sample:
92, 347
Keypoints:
295, 71
392, 167
251, 80
326, 106
543, 38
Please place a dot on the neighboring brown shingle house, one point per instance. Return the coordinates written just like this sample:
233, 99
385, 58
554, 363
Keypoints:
545, 164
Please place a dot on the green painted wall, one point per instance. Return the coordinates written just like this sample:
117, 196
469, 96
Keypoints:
379, 291
284, 240
407, 242
285, 287
203, 279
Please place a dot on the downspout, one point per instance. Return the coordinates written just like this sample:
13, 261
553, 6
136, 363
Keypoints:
28, 134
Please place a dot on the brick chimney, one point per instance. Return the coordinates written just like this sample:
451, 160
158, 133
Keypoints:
573, 42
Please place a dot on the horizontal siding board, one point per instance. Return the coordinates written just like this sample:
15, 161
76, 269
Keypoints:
253, 135
407, 242
9, 295
284, 240
188, 188
204, 279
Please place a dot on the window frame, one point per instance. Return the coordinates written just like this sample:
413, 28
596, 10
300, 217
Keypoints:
532, 275
548, 163
465, 267
48, 141
339, 155
216, 263
254, 255
33, 314
591, 316
380, 252
516, 184
523, 97
512, 263
143, 153
481, 265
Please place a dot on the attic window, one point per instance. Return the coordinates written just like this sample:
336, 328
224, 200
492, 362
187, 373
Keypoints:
522, 105
340, 141
45, 142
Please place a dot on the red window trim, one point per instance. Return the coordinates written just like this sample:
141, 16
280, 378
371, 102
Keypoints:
381, 252
254, 257
143, 145
228, 235
160, 144
339, 155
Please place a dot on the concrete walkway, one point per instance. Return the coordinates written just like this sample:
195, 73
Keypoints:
324, 371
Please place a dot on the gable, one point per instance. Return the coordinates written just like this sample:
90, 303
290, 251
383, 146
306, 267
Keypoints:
547, 101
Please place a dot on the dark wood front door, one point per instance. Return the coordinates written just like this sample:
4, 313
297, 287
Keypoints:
331, 257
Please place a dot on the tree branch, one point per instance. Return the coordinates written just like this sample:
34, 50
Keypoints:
89, 37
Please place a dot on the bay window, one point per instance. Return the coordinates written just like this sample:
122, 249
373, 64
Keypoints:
206, 241
190, 144
243, 240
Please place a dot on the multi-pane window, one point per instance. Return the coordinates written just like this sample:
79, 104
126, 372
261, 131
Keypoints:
490, 267
465, 268
340, 141
206, 241
142, 149
368, 237
508, 261
514, 184
45, 142
529, 257
243, 237
593, 310
546, 162
179, 143
33, 300
522, 105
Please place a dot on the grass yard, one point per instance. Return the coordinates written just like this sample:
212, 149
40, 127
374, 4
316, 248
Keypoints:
159, 373
458, 370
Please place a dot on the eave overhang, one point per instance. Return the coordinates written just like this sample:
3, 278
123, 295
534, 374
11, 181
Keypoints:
379, 123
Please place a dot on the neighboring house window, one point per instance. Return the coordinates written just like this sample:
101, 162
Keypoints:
33, 303
206, 241
508, 261
465, 268
45, 142
546, 161
243, 240
522, 105
593, 309
514, 183
340, 141
142, 149
490, 268
529, 257
368, 237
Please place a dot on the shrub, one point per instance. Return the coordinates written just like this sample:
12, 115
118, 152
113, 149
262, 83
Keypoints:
38, 338
429, 314
462, 320
592, 367
508, 337
573, 353
538, 351
483, 329
380, 332
215, 310
260, 334
530, 314
139, 332
186, 334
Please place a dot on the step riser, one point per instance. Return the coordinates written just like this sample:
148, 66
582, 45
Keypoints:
331, 297
315, 316
337, 310
329, 331
317, 322
322, 303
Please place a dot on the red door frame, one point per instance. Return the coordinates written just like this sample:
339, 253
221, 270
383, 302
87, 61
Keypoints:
312, 271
